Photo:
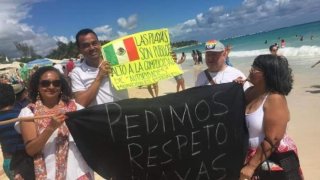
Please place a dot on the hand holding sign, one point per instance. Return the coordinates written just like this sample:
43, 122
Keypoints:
104, 70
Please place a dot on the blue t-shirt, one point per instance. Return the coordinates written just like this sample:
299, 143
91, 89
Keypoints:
11, 141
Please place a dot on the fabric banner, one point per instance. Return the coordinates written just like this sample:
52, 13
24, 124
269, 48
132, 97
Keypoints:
198, 133
140, 59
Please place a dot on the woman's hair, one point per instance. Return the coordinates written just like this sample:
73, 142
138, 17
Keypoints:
7, 96
35, 81
277, 73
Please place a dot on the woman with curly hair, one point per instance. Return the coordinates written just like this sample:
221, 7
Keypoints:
48, 140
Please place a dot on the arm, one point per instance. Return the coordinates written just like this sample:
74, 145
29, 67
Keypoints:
34, 143
85, 97
276, 117
182, 59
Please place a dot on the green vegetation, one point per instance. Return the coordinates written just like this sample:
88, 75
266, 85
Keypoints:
183, 43
65, 51
26, 51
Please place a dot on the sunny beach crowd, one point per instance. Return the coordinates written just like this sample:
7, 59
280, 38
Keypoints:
43, 148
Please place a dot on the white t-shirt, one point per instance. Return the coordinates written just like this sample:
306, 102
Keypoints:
83, 76
225, 76
76, 165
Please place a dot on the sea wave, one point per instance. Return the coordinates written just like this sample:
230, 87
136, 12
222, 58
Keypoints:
303, 51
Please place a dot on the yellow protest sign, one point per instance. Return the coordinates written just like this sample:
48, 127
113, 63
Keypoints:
140, 59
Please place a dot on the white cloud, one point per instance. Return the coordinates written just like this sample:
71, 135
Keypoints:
106, 29
61, 39
250, 17
129, 23
121, 34
104, 32
12, 29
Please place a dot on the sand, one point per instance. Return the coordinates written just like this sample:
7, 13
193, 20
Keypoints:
304, 104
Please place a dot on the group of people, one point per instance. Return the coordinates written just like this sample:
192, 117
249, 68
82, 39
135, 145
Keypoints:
47, 140
197, 57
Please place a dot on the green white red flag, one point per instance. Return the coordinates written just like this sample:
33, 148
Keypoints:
122, 51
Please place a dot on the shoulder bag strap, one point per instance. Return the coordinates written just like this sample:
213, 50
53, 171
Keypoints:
206, 72
273, 147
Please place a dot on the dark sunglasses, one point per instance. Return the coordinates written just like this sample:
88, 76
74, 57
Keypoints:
47, 83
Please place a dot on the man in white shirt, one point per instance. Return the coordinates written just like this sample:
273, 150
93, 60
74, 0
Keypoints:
218, 72
90, 81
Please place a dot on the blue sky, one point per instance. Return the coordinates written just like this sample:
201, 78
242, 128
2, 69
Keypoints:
41, 23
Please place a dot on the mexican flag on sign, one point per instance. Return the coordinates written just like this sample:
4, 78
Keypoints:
122, 51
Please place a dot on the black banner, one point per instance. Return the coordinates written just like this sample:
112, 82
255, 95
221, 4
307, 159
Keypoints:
196, 134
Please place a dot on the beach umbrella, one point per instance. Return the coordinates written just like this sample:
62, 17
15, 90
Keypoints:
39, 62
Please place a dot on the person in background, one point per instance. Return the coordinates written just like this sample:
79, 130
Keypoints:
199, 54
273, 49
301, 38
267, 112
90, 81
81, 58
22, 99
179, 78
17, 74
194, 57
4, 79
12, 145
283, 43
48, 140
23, 72
33, 70
69, 66
218, 72
228, 49
155, 89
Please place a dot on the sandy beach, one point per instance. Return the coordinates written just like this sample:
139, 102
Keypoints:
304, 103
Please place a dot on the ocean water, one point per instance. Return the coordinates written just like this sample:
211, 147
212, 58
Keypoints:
301, 54
258, 43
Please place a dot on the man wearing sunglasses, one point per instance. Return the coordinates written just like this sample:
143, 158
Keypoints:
90, 81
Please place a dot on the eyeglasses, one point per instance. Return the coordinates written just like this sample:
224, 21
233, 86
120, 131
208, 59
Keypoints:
47, 83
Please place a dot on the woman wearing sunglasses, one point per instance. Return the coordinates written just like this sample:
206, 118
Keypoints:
267, 116
48, 140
